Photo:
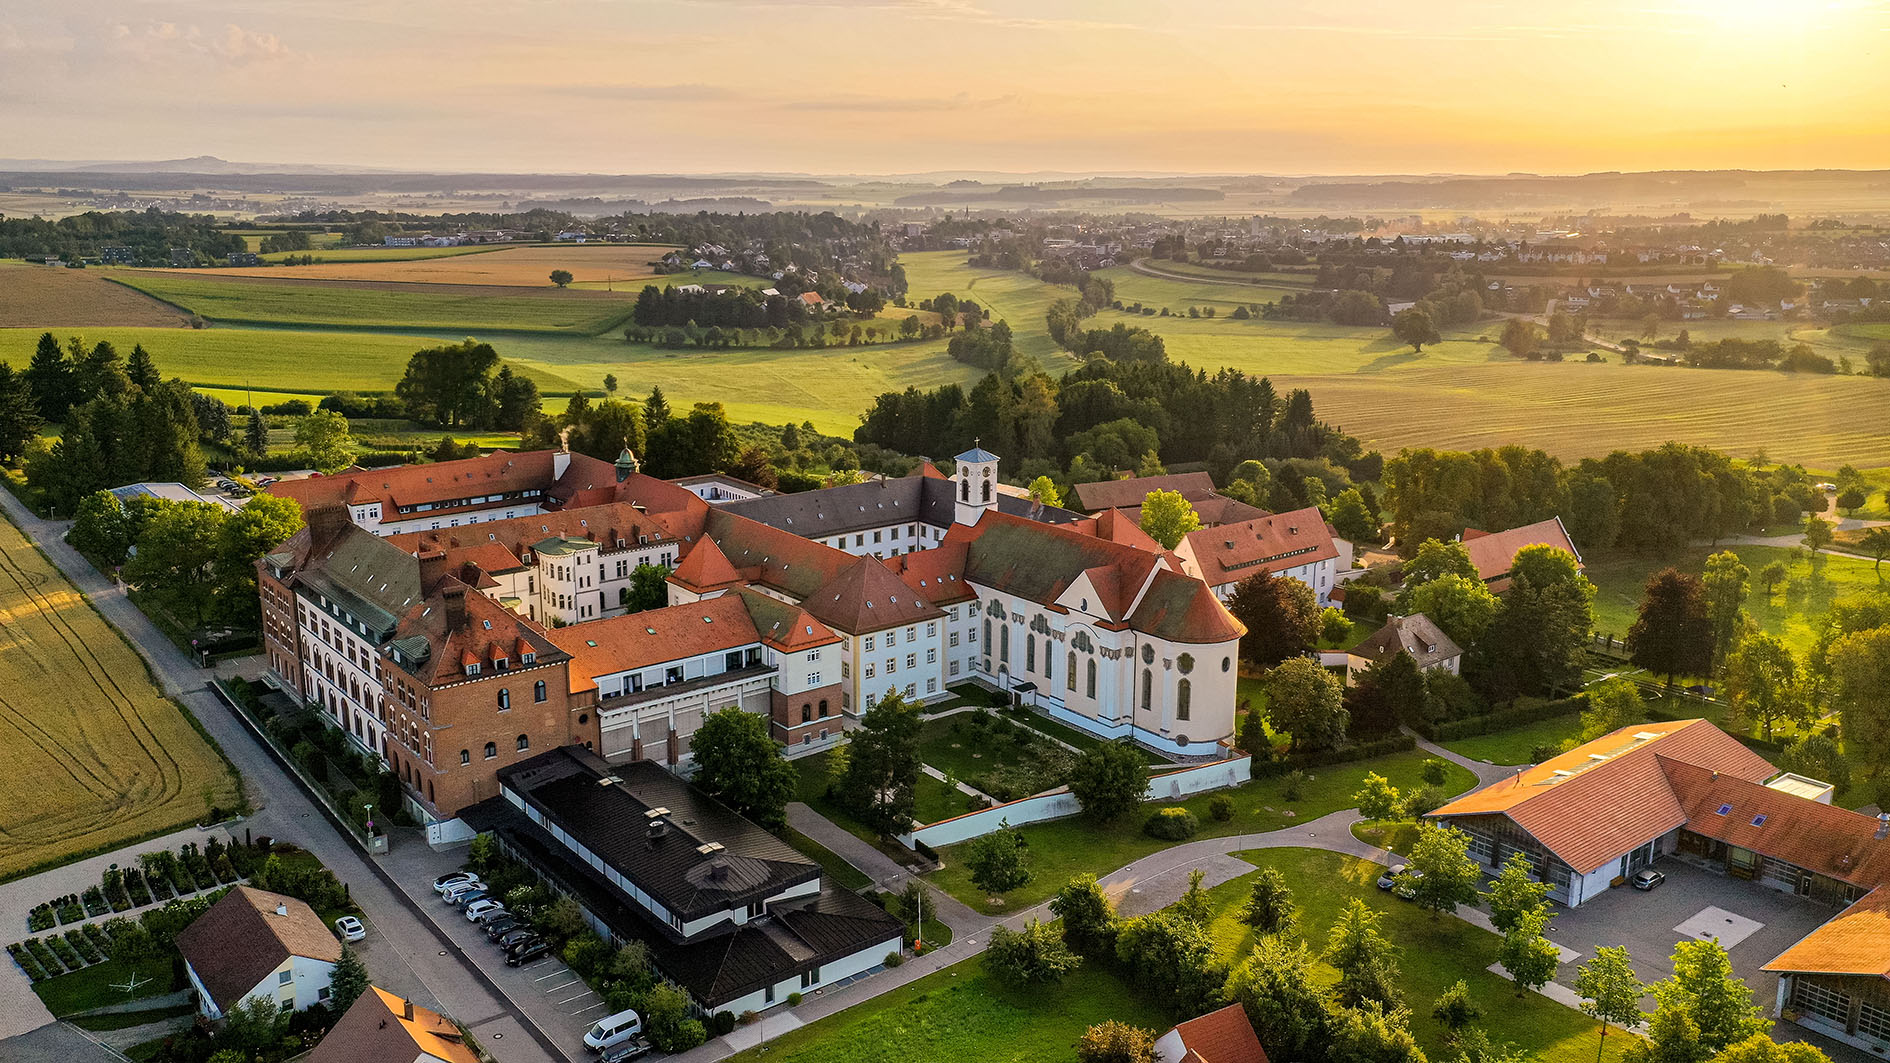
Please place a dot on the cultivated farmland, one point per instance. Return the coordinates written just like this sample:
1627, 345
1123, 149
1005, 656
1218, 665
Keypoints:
375, 304
96, 755
528, 267
43, 297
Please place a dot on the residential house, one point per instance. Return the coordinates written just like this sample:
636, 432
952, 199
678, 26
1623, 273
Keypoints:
380, 1027
1223, 1036
1416, 635
1118, 494
255, 945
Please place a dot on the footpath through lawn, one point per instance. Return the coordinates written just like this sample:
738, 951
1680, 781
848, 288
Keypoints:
1061, 849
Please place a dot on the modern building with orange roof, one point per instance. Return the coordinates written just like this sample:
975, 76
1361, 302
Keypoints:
1590, 818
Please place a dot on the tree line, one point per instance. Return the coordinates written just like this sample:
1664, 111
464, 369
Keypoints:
150, 234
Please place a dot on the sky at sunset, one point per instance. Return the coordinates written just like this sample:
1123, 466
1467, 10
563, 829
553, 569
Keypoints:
900, 86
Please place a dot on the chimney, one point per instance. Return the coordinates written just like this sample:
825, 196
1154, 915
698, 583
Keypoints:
1883, 825
561, 458
406, 1010
455, 597
718, 871
326, 522
432, 568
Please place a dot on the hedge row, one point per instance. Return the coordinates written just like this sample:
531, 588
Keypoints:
1503, 720
1377, 747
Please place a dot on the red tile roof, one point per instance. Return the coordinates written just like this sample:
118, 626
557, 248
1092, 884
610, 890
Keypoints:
1817, 837
1494, 552
704, 568
1856, 942
654, 636
1223, 1036
383, 1028
1590, 804
1232, 552
1180, 608
936, 574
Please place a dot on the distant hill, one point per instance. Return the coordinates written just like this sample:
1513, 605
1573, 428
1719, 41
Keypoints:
197, 164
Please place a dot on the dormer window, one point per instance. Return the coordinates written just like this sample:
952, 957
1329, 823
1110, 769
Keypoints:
528, 657
502, 663
473, 668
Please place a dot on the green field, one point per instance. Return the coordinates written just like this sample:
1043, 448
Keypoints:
829, 386
1517, 746
1015, 297
371, 305
327, 252
1179, 295
1793, 611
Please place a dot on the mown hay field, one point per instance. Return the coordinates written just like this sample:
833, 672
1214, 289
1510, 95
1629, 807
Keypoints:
528, 267
95, 754
44, 297
380, 304
1576, 410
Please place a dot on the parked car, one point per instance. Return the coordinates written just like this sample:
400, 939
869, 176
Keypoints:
470, 897
503, 925
623, 1053
1647, 878
481, 911
526, 952
513, 938
454, 894
445, 882
1390, 877
1405, 890
613, 1030
350, 928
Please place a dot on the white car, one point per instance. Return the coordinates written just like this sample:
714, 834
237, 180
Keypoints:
350, 928
458, 891
480, 911
446, 882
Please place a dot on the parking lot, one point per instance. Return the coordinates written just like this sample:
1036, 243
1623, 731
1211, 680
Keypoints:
1704, 903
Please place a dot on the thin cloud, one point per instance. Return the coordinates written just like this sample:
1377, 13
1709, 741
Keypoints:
661, 93
891, 105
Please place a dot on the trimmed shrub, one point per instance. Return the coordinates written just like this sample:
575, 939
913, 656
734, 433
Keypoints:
1172, 824
1221, 807
793, 1000
893, 959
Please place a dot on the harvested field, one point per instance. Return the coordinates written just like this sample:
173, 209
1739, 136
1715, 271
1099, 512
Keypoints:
96, 755
48, 298
385, 304
527, 267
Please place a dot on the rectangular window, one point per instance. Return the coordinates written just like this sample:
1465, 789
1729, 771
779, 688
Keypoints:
972, 635
869, 642
284, 977
912, 660
954, 668
813, 655
813, 679
912, 633
931, 656
953, 639
869, 671
876, 538
931, 629
892, 665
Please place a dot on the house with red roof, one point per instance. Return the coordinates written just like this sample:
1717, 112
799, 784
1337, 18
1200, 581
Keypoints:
1224, 1036
1494, 553
1298, 545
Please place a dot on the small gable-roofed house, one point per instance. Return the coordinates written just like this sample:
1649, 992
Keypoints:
256, 945
1494, 553
380, 1027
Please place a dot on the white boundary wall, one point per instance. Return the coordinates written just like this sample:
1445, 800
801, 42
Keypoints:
1056, 804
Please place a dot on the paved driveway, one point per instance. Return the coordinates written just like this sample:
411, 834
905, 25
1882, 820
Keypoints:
1646, 922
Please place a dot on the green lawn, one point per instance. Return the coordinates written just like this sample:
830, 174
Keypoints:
1082, 740
932, 800
1436, 953
1063, 848
91, 987
364, 305
956, 747
1515, 746
1015, 297
1793, 612
123, 1020
1179, 295
959, 1015
1396, 835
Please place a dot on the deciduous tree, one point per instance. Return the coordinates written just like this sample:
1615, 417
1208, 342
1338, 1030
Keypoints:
1415, 327
1088, 916
1762, 683
1445, 876
1515, 893
1304, 700
1727, 581
1281, 616
1275, 986
1168, 517
1111, 1041
1610, 991
1110, 781
1366, 960
996, 861
1035, 955
1672, 636
739, 763
324, 438
883, 765
1529, 956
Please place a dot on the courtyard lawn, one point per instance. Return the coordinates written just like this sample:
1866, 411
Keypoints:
932, 800
1436, 953
1398, 835
1516, 746
1793, 611
1061, 849
960, 1015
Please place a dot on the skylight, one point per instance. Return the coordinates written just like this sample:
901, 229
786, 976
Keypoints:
1759, 820
1722, 810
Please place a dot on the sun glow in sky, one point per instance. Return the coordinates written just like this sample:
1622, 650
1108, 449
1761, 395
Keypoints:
901, 86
